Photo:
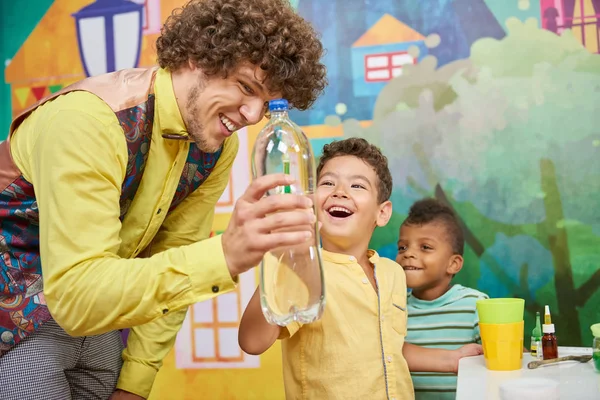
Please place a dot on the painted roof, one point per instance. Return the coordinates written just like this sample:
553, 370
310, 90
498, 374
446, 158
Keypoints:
388, 30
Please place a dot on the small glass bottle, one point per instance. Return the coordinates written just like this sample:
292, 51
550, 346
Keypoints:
292, 284
536, 338
549, 342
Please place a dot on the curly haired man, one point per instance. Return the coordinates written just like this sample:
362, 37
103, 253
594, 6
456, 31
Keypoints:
107, 196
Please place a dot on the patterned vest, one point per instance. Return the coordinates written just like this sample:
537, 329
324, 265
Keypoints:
130, 94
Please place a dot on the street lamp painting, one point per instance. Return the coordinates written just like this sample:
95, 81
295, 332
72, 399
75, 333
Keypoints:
109, 35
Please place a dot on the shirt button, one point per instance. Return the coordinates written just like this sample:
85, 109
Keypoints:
215, 289
159, 211
382, 318
352, 258
389, 359
365, 280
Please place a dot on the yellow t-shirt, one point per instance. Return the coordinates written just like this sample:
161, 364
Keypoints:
355, 350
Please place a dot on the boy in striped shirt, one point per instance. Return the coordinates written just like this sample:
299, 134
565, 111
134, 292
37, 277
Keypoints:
440, 315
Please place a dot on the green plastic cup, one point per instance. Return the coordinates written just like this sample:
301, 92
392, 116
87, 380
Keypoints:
500, 311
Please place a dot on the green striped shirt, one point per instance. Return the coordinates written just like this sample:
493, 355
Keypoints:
447, 322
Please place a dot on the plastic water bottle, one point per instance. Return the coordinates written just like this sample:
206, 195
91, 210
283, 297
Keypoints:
291, 278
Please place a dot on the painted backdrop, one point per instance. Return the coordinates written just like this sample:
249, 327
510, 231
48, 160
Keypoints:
490, 106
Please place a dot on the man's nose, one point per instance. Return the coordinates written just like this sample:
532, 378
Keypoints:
253, 111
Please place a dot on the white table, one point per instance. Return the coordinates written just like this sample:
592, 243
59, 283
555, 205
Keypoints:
577, 381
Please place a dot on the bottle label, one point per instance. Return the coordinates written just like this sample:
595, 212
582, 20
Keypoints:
534, 347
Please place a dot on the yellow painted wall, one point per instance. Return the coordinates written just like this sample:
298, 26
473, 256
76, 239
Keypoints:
264, 383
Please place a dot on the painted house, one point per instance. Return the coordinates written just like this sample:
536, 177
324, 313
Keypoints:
380, 54
581, 16
352, 30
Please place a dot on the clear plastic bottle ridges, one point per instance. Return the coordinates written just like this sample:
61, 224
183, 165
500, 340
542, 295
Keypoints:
292, 286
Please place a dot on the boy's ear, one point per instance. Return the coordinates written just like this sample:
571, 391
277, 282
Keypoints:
455, 264
384, 214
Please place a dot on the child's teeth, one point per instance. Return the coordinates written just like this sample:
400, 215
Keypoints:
339, 209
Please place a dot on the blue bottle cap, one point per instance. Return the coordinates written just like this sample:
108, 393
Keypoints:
278, 105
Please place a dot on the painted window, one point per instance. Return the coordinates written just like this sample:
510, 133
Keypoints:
385, 66
581, 16
208, 336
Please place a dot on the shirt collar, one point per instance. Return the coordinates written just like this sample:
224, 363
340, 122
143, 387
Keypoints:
346, 259
447, 298
167, 110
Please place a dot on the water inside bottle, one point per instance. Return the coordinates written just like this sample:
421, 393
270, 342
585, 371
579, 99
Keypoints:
291, 278
291, 285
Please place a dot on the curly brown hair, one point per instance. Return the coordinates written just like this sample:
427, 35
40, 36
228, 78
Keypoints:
430, 210
219, 35
367, 152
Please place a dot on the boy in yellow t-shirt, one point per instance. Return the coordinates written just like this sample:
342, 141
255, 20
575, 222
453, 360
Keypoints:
357, 349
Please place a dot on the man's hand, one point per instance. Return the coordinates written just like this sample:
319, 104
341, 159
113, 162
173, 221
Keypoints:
260, 224
123, 395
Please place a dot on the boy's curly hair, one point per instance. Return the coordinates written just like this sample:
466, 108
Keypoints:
430, 210
218, 35
367, 152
